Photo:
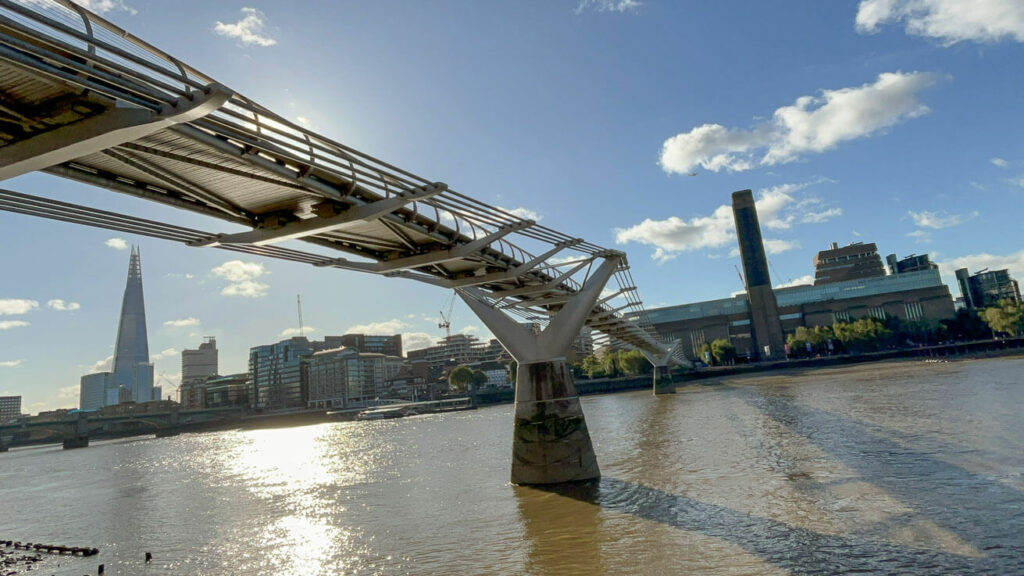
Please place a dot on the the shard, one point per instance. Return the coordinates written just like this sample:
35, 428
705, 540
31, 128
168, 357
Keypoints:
132, 370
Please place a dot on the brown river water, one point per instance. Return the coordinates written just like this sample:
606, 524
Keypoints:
890, 468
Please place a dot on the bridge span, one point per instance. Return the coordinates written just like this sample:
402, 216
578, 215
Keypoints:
85, 100
74, 430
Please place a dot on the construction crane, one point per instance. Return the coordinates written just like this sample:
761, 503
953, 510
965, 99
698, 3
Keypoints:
298, 299
446, 319
743, 283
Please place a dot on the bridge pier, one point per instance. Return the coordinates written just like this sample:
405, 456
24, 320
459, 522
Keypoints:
80, 437
168, 432
550, 440
663, 383
76, 441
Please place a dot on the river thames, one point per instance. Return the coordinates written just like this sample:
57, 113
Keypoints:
891, 468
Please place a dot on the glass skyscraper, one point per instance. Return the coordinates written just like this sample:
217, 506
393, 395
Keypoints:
132, 369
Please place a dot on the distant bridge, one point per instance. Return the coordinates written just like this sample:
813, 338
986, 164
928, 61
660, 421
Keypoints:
86, 100
75, 430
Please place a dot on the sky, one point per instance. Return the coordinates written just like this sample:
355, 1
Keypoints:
625, 122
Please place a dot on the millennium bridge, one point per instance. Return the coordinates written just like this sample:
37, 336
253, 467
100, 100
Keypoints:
85, 100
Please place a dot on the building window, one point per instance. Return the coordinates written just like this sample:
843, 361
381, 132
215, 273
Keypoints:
841, 316
914, 311
877, 312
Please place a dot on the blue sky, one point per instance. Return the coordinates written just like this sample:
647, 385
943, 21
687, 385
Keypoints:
889, 121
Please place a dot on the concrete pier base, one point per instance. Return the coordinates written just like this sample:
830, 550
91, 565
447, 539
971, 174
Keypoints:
550, 441
168, 432
76, 442
663, 383
3, 447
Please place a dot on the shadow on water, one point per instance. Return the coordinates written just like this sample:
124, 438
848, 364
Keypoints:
984, 512
791, 548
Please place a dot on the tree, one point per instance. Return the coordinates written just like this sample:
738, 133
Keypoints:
863, 335
461, 377
633, 362
1007, 316
721, 351
592, 367
479, 378
610, 364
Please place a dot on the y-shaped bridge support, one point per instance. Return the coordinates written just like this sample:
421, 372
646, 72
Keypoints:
550, 441
663, 383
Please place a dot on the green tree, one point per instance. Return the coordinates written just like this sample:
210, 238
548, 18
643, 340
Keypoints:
592, 367
461, 377
479, 378
721, 351
610, 364
633, 362
863, 335
1007, 316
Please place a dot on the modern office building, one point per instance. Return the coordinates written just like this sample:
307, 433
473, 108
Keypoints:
10, 408
987, 287
368, 344
98, 390
857, 260
132, 376
132, 369
276, 378
912, 263
226, 391
345, 378
196, 366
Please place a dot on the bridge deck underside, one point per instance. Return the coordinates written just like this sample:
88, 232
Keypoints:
188, 142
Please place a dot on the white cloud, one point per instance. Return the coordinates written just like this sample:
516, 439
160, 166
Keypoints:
805, 280
180, 323
609, 5
819, 217
948, 21
524, 213
1014, 263
103, 6
61, 306
105, 365
811, 124
302, 121
12, 306
242, 277
291, 332
778, 208
247, 289
117, 243
999, 162
417, 340
775, 246
165, 353
249, 30
936, 221
238, 271
920, 236
68, 393
677, 235
1018, 181
8, 324
9, 364
386, 328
